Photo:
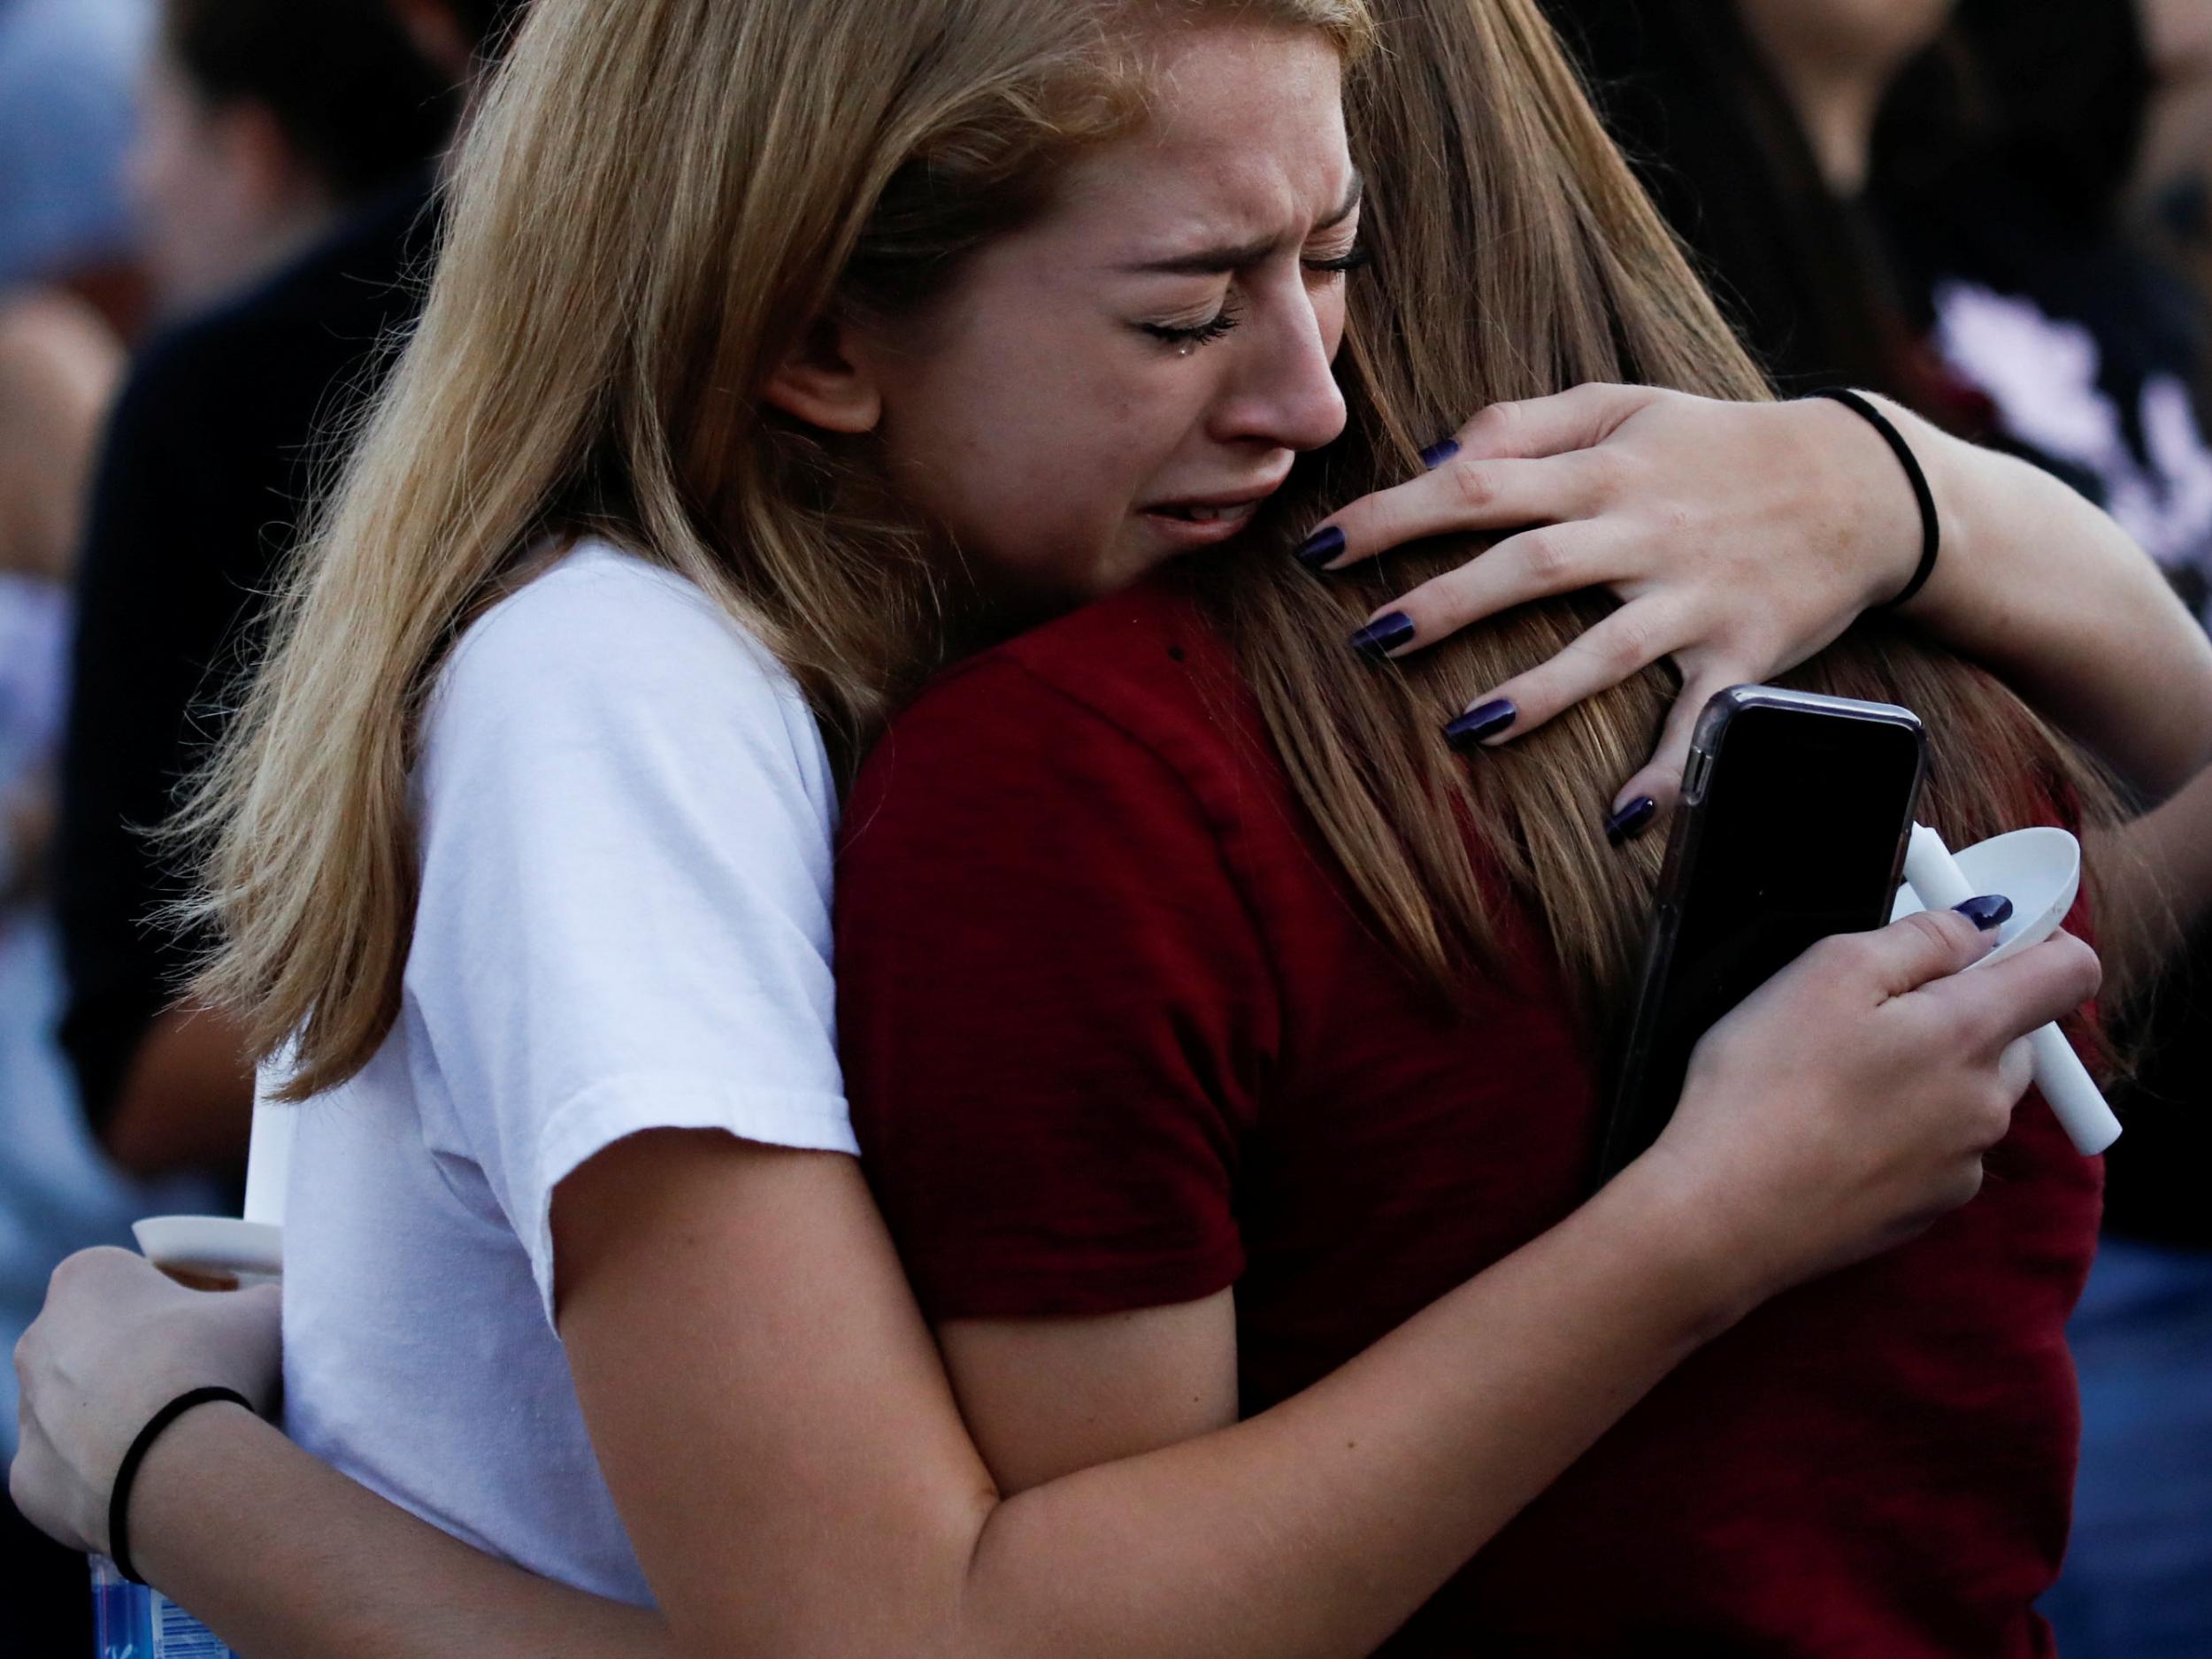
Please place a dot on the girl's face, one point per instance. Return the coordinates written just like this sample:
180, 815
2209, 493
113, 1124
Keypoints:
1128, 379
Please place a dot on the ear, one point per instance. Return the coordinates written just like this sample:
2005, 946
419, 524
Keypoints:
826, 383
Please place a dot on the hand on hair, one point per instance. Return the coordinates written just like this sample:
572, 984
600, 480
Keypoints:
116, 1342
1740, 538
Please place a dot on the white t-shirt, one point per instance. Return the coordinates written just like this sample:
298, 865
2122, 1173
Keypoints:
625, 819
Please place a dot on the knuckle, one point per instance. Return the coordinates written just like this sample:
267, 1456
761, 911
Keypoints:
1851, 955
1547, 560
1497, 421
1946, 930
1472, 485
1612, 471
1632, 641
2085, 963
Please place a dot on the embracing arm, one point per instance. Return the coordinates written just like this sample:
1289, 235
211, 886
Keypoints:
1742, 538
2043, 586
217, 1519
796, 1480
1313, 1529
772, 1420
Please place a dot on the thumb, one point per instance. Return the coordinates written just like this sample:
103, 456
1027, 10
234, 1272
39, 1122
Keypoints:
1933, 945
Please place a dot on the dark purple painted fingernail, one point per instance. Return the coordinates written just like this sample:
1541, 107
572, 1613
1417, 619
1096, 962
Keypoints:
1631, 820
1437, 454
1384, 635
1471, 728
1319, 548
1989, 912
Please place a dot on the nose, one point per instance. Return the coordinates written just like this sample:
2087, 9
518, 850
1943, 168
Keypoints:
1283, 391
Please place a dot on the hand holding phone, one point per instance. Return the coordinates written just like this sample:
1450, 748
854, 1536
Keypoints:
1792, 827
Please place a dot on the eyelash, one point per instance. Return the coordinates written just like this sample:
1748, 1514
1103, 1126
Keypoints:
1228, 318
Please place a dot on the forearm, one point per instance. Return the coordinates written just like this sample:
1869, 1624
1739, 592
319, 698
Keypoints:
2043, 587
1316, 1528
215, 1522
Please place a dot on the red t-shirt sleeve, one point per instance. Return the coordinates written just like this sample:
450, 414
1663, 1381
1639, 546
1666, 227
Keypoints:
1052, 1001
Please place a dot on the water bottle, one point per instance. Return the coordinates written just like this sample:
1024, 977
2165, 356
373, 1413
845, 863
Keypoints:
212, 1253
135, 1621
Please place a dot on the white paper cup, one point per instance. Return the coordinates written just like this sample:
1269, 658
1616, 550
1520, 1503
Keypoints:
213, 1252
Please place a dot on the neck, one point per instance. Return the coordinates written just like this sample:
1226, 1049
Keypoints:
1836, 109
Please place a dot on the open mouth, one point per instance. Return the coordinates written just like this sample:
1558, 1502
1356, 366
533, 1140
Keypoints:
1239, 512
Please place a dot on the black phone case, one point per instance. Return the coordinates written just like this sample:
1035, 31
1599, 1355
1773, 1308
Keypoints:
1632, 1120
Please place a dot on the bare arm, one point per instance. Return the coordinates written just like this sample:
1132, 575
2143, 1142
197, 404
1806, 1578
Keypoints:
772, 1420
1743, 538
2049, 591
1232, 1544
226, 1535
2058, 600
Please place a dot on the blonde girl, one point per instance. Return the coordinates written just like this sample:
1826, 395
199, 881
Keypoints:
832, 334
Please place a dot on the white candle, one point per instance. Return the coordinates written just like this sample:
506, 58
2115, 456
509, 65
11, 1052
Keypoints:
1935, 877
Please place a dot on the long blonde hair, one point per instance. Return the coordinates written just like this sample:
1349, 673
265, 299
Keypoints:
655, 203
1515, 255
656, 200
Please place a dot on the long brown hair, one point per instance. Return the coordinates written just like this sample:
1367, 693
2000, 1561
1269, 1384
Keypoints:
1515, 255
656, 202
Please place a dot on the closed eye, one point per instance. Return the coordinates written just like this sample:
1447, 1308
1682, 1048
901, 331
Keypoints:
1353, 258
1193, 334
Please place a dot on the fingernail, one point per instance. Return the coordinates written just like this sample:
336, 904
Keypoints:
1384, 635
1319, 548
1989, 912
1437, 454
1631, 820
1471, 728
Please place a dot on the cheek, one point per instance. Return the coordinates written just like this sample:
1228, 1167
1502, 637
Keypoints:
1034, 451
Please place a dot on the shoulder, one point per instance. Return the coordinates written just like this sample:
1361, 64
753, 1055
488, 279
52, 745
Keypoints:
608, 617
1140, 677
625, 663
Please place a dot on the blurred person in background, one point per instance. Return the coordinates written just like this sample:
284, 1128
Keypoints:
59, 364
284, 176
1933, 200
68, 73
2094, 354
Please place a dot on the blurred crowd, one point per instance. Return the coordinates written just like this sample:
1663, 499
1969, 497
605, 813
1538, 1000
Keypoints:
214, 217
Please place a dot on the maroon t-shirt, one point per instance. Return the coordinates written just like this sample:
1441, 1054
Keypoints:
1117, 1036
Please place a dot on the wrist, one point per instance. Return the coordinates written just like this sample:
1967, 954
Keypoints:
1695, 1259
1886, 491
168, 1495
1955, 471
153, 1443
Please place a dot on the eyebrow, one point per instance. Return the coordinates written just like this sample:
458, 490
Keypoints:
1236, 256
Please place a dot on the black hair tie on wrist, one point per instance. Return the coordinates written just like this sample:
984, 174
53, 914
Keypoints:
1930, 523
119, 1495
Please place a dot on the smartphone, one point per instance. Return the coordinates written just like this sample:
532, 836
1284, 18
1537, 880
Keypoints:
1795, 813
